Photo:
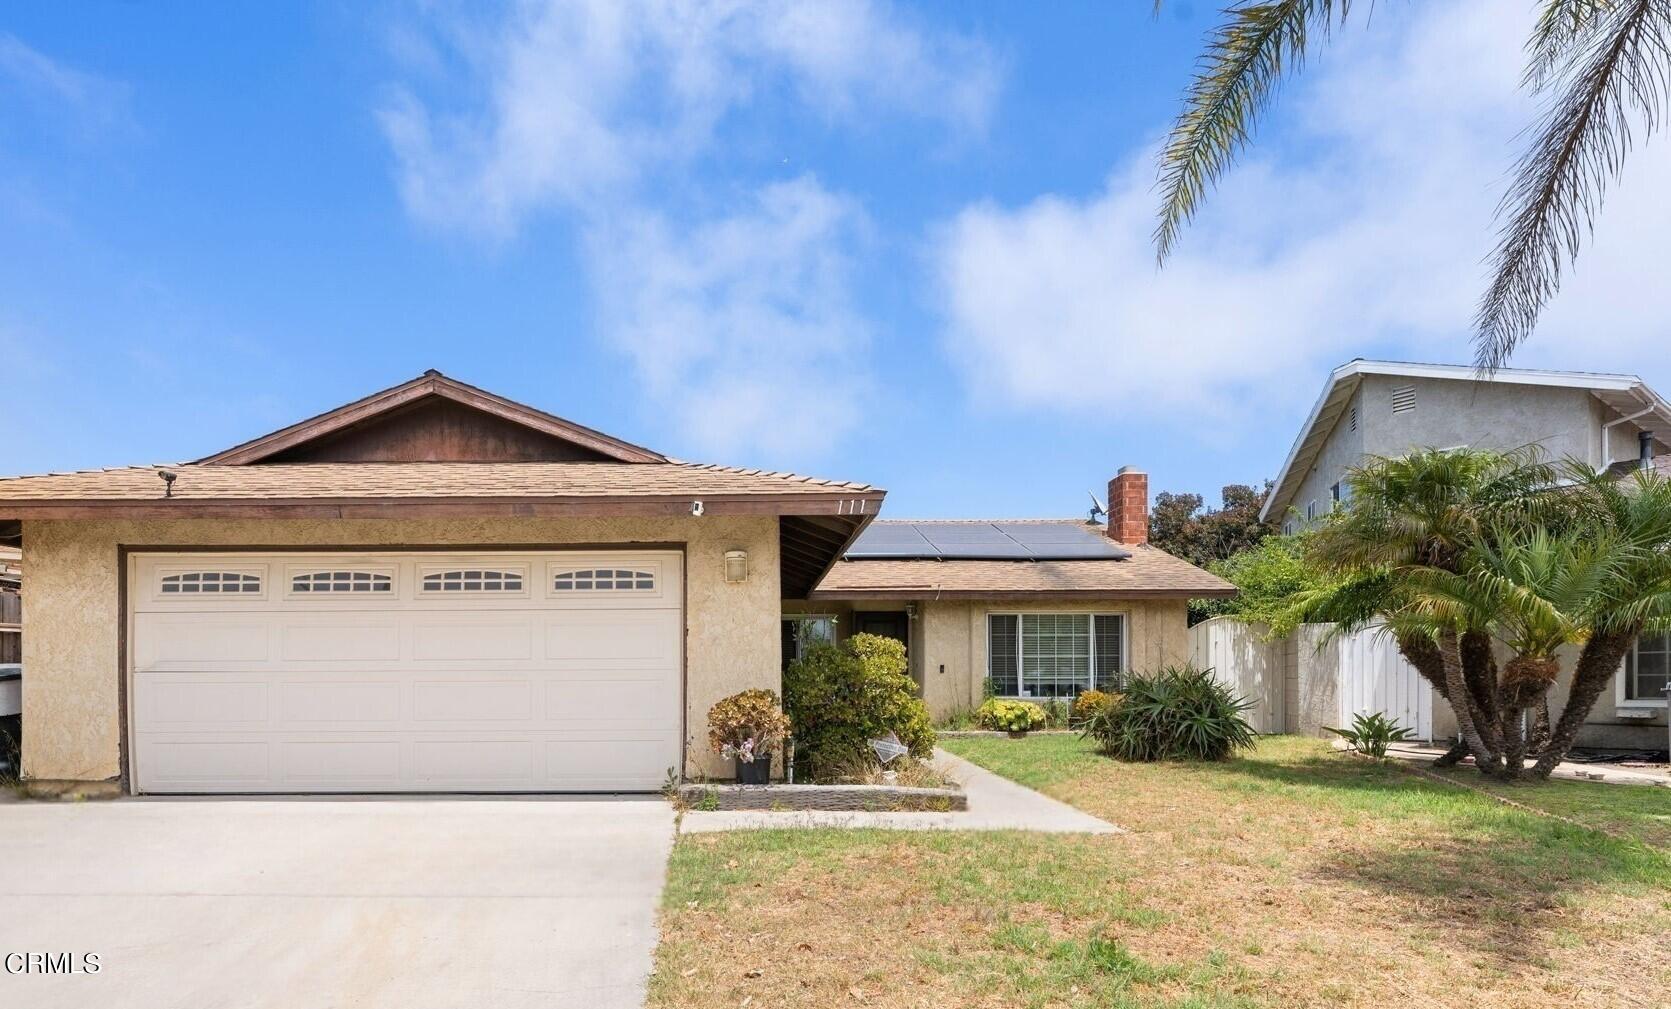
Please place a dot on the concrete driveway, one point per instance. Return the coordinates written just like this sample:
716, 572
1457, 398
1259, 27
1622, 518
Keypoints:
410, 903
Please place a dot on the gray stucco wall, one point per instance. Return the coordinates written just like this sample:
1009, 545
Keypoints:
1561, 422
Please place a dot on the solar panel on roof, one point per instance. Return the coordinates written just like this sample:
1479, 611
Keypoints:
972, 540
891, 541
1062, 541
1017, 541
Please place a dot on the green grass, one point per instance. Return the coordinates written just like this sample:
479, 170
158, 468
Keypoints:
1291, 876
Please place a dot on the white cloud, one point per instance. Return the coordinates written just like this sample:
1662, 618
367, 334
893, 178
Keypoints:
1358, 229
743, 328
64, 97
565, 103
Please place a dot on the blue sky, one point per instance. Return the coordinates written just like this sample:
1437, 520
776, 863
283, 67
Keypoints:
905, 244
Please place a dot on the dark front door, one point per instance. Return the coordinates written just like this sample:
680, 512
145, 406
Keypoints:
887, 624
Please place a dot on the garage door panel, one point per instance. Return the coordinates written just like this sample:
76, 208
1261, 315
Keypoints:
340, 638
478, 761
390, 691
363, 763
188, 764
343, 702
612, 703
620, 639
197, 638
480, 640
174, 702
461, 701
640, 763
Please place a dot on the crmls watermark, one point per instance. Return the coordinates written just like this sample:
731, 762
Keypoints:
51, 963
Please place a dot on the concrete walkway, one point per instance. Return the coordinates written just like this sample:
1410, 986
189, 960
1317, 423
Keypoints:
995, 803
409, 903
1611, 774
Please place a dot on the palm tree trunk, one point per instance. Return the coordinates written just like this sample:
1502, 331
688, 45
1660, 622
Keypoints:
1452, 756
1540, 726
1597, 664
1457, 687
1514, 741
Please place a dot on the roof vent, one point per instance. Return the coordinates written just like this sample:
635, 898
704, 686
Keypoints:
1354, 418
1403, 398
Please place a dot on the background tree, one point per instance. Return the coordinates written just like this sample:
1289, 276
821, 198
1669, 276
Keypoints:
1178, 525
1601, 67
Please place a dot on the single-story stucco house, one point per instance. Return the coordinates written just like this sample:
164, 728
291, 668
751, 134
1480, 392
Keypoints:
437, 589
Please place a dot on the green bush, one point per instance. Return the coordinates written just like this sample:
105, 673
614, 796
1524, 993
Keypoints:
842, 696
1372, 734
1174, 714
1090, 703
1010, 716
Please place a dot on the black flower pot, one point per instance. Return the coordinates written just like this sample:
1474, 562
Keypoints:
1018, 733
755, 772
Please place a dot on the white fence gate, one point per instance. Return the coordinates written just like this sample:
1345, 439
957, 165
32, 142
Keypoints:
1250, 666
1311, 679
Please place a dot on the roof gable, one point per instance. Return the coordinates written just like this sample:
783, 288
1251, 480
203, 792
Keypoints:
1625, 395
434, 418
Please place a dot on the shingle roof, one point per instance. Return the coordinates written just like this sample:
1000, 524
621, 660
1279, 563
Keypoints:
1148, 573
416, 481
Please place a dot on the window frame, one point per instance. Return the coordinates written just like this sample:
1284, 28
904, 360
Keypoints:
294, 571
163, 572
1627, 670
422, 591
1124, 666
797, 618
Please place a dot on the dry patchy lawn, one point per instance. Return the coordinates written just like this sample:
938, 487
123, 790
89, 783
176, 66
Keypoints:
1296, 877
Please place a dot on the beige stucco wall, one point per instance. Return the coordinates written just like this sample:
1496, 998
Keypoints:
71, 696
953, 653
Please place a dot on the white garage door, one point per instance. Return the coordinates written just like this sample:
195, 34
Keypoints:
404, 672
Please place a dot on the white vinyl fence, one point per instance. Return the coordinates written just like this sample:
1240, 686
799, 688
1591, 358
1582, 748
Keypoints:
1309, 679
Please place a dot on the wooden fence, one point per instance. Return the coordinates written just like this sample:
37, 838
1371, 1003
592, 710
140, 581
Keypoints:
1311, 678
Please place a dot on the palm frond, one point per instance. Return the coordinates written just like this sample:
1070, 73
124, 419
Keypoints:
1617, 77
1245, 59
1561, 27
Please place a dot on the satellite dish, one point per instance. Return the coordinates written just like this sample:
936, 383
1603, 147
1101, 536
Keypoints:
1096, 507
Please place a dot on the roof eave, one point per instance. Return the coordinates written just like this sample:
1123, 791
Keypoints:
802, 503
930, 592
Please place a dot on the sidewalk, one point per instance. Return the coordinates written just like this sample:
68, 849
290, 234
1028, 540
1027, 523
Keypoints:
995, 803
1611, 774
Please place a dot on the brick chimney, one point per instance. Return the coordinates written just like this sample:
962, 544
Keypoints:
1128, 506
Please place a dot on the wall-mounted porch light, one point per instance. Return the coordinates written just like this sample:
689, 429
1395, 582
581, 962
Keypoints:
736, 566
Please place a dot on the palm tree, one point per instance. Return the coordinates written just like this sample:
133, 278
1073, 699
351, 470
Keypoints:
1635, 516
1602, 66
1424, 512
1535, 590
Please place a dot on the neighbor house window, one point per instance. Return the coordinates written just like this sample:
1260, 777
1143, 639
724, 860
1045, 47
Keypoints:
1054, 654
1311, 510
1337, 494
1648, 668
801, 630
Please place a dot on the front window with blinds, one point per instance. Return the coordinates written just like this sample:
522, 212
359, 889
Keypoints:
1648, 668
1054, 654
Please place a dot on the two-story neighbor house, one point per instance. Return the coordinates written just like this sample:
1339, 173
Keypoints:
1387, 408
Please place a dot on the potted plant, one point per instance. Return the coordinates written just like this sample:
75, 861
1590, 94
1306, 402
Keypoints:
1015, 717
749, 728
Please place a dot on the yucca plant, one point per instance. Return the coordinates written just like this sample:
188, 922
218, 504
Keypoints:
1176, 713
1372, 734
